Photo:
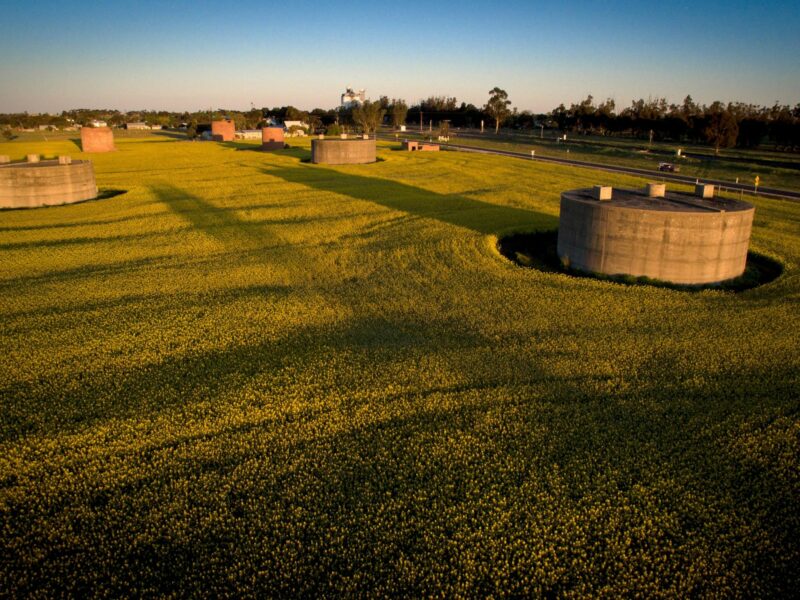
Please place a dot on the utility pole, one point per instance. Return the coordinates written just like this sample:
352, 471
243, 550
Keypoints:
420, 121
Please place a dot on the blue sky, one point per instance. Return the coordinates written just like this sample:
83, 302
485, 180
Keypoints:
180, 55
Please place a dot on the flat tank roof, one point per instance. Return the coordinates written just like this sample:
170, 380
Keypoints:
671, 202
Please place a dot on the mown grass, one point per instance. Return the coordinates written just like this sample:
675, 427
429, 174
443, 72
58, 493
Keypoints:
251, 375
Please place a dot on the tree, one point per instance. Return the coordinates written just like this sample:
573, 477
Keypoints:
191, 130
399, 110
722, 129
497, 107
368, 115
8, 134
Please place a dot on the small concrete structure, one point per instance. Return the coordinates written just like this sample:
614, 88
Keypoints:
272, 138
97, 139
343, 151
223, 131
419, 146
704, 190
655, 190
65, 160
678, 237
46, 183
602, 192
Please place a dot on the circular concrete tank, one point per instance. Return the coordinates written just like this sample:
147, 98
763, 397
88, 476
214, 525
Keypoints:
343, 152
97, 139
46, 183
678, 238
272, 138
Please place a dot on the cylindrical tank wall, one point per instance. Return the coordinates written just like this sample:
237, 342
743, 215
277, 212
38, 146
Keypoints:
683, 247
272, 138
223, 131
47, 183
97, 139
343, 152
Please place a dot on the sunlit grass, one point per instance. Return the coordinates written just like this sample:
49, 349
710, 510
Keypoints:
252, 374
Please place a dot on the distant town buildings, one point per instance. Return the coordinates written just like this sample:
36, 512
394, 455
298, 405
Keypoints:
351, 98
295, 128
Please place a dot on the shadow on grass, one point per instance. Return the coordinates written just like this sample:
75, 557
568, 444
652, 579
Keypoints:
101, 195
219, 223
538, 251
412, 474
74, 400
175, 135
455, 209
303, 154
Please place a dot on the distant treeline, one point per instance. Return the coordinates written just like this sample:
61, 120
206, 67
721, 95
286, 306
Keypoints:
720, 125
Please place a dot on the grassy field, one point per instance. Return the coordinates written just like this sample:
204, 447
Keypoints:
776, 170
254, 375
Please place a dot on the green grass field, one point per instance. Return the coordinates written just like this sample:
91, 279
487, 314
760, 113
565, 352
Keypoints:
775, 170
251, 375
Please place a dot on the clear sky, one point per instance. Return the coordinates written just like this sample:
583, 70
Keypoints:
181, 55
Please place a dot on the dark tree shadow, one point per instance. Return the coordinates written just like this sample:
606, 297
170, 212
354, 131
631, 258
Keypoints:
171, 134
219, 223
455, 209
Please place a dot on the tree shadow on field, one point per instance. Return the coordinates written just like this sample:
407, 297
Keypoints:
455, 209
172, 134
219, 223
440, 476
302, 154
73, 401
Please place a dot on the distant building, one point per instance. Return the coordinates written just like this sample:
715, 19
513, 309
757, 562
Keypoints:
137, 125
351, 98
296, 128
96, 123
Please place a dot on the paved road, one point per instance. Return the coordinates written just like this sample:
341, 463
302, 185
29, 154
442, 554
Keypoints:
726, 185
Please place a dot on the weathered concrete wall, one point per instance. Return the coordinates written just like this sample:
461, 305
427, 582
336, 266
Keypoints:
343, 152
419, 146
28, 185
680, 244
223, 131
272, 138
97, 139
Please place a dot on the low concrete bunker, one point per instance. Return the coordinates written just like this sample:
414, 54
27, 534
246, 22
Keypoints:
272, 138
412, 146
675, 237
343, 151
46, 183
97, 139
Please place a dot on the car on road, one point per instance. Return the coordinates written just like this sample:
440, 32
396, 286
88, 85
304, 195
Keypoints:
668, 167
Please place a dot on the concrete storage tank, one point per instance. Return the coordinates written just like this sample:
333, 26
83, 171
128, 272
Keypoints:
97, 139
223, 131
343, 151
46, 183
272, 138
675, 237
